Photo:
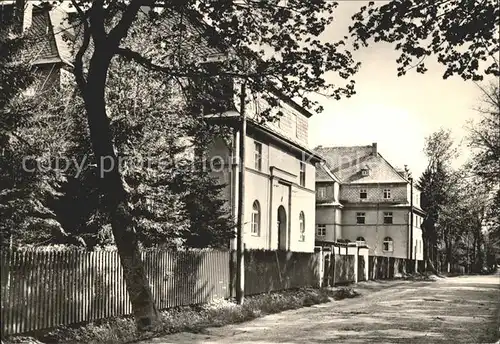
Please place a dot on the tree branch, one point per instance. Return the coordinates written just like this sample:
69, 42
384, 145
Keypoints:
120, 30
174, 72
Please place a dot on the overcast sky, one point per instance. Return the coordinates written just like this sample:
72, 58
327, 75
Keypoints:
397, 113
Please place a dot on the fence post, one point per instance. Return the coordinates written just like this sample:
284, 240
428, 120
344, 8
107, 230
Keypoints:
388, 268
356, 262
321, 267
366, 258
334, 266
232, 274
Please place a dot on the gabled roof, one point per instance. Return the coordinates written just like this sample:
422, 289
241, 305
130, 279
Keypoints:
185, 29
49, 31
347, 162
323, 174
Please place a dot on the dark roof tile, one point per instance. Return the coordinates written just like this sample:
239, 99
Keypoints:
347, 163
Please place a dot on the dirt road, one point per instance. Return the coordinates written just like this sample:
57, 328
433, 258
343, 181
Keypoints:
451, 310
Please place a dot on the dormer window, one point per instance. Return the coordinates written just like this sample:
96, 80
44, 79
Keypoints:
363, 194
365, 172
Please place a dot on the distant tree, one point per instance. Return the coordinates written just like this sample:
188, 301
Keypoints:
462, 221
484, 137
432, 183
484, 141
493, 225
435, 183
462, 34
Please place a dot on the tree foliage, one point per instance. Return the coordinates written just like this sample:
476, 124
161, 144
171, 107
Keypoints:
484, 137
462, 34
26, 140
456, 206
435, 184
175, 203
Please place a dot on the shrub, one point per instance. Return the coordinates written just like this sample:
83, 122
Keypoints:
190, 319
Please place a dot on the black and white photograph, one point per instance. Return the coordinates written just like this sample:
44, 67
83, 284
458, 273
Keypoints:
250, 171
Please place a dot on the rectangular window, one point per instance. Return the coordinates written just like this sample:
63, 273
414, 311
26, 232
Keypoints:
255, 224
302, 173
388, 246
360, 218
387, 193
258, 156
321, 230
388, 218
363, 194
321, 192
302, 226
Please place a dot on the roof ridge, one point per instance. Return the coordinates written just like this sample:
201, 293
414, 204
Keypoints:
327, 147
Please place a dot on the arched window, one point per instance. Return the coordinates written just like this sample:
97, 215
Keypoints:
302, 226
360, 241
256, 218
388, 244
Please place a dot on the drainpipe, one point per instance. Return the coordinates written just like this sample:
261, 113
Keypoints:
411, 223
240, 261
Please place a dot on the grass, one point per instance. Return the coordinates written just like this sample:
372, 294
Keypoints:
189, 319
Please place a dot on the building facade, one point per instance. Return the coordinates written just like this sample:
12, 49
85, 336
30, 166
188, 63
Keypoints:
279, 182
375, 204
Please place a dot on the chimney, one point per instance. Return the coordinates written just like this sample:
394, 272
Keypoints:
374, 148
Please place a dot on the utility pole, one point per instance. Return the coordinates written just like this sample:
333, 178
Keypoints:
411, 224
240, 259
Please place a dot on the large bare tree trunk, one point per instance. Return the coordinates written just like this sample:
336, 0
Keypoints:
116, 195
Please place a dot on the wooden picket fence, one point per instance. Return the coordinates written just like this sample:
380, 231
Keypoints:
45, 289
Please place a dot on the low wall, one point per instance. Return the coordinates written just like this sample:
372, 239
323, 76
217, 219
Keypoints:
347, 263
345, 269
344, 263
386, 267
267, 271
362, 269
